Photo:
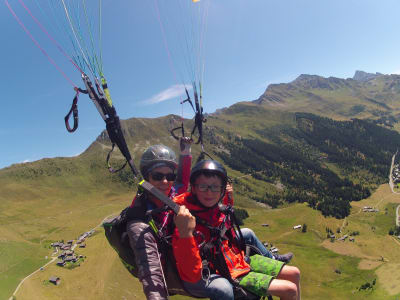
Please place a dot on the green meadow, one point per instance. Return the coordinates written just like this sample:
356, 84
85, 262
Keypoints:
329, 270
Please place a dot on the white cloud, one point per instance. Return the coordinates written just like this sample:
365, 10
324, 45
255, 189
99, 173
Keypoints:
396, 72
169, 93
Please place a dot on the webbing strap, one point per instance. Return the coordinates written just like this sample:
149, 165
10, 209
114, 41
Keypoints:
110, 168
159, 195
74, 111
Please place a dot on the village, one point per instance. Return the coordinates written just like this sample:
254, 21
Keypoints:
68, 257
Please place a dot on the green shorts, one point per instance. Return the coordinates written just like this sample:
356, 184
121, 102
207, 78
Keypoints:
263, 270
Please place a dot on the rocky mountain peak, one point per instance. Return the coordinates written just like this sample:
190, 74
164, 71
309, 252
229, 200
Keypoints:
364, 76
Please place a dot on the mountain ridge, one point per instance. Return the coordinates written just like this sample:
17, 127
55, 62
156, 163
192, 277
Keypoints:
276, 155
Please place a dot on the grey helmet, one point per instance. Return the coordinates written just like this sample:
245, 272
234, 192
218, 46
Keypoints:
157, 156
210, 167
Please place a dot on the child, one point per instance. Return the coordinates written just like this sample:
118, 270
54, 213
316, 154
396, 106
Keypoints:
209, 261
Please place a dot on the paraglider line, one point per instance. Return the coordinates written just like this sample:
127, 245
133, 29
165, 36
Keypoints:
49, 36
38, 45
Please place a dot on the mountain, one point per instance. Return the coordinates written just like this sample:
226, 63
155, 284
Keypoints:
312, 148
364, 76
364, 96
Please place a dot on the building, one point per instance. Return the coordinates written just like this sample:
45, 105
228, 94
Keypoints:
61, 263
297, 227
55, 280
66, 247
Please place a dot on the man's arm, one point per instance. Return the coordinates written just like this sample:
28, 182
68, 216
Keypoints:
185, 162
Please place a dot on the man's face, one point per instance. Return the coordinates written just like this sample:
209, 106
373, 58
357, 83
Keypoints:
207, 189
159, 178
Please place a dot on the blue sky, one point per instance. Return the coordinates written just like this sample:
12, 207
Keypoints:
248, 45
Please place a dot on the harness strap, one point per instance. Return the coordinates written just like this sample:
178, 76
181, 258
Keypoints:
110, 168
172, 131
156, 193
74, 111
203, 155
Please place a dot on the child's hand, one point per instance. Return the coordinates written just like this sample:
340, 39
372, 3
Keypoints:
185, 222
229, 193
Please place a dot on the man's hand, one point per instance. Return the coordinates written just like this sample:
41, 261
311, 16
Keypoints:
185, 144
185, 222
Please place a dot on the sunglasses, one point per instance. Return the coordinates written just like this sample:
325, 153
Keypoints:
160, 176
213, 188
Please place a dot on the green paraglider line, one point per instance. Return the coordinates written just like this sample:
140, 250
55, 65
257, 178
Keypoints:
95, 61
63, 27
38, 45
48, 35
76, 38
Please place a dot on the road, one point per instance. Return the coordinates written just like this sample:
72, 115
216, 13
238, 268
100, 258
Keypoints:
22, 281
53, 259
390, 175
392, 188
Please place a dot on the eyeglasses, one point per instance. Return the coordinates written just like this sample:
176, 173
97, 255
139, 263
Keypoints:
213, 188
160, 176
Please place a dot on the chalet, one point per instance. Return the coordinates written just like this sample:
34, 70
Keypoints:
83, 245
343, 237
61, 263
55, 280
70, 258
66, 247
70, 242
69, 252
265, 225
370, 209
297, 227
56, 244
351, 239
62, 255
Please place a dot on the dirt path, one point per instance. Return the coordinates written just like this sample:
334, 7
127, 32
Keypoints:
53, 259
396, 240
390, 174
392, 188
22, 281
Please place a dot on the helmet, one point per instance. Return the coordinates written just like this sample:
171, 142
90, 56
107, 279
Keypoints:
209, 167
157, 156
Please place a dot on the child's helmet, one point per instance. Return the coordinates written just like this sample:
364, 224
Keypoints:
209, 167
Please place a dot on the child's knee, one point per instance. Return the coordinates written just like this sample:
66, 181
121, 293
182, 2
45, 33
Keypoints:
295, 272
290, 290
290, 273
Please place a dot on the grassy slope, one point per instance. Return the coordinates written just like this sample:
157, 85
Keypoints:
349, 100
37, 209
102, 276
58, 199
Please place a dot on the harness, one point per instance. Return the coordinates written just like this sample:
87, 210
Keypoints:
115, 231
212, 252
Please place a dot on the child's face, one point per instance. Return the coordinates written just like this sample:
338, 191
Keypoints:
208, 190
